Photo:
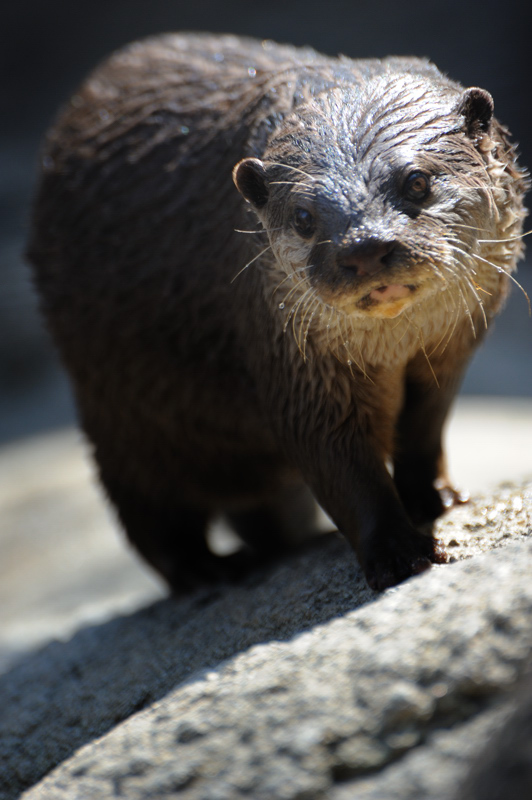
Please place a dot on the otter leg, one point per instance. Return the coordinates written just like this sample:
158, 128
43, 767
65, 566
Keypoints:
389, 548
339, 443
279, 525
420, 469
360, 496
173, 540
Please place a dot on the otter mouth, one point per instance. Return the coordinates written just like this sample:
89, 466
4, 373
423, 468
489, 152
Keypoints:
388, 300
386, 294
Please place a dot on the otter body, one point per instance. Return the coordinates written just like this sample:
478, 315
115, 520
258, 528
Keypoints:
230, 348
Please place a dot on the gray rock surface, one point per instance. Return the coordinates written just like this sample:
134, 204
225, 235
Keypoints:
298, 683
504, 768
390, 700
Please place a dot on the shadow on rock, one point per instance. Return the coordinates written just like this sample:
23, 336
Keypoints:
68, 693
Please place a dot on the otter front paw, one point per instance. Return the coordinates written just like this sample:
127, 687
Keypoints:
426, 502
451, 496
392, 559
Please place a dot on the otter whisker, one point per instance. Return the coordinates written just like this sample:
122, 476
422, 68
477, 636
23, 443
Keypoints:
475, 228
294, 288
480, 288
451, 327
508, 274
316, 306
424, 351
286, 298
286, 278
260, 230
467, 281
439, 273
328, 326
405, 327
269, 247
465, 306
502, 271
362, 366
295, 305
292, 183
347, 339
303, 309
507, 239
296, 308
513, 238
289, 166
461, 262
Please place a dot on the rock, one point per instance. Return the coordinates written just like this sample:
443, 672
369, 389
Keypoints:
390, 700
297, 683
504, 768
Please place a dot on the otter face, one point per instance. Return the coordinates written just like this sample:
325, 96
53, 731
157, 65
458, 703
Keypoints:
376, 208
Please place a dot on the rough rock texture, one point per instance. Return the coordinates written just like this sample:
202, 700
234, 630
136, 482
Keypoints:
504, 768
392, 699
299, 683
389, 701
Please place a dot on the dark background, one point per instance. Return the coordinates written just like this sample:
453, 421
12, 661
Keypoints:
47, 46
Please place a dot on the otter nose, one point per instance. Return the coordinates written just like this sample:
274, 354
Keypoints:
366, 257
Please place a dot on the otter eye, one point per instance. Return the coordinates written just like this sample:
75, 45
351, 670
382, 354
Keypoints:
416, 187
303, 222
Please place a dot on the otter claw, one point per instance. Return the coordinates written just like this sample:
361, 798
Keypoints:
452, 497
403, 562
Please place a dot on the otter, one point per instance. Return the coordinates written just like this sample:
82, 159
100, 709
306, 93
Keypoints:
246, 351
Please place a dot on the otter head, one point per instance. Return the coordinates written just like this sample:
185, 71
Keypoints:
377, 197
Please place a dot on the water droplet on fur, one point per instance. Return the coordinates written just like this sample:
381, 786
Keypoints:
252, 72
219, 57
346, 344
349, 362
103, 114
281, 306
185, 130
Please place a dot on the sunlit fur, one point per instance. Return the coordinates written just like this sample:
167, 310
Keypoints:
460, 249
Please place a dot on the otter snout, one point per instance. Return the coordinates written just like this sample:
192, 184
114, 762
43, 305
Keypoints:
366, 257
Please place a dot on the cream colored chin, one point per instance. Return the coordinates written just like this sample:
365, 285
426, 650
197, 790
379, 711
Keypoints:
389, 301
389, 309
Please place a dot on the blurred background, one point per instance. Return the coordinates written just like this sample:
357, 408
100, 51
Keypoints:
47, 46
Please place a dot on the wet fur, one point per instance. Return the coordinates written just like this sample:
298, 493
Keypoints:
222, 372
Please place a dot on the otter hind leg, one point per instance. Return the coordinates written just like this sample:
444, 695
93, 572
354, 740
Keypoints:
280, 524
173, 541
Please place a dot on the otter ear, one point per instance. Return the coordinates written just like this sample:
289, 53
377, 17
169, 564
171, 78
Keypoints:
250, 179
476, 106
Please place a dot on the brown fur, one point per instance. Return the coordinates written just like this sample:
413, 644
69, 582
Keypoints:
207, 386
